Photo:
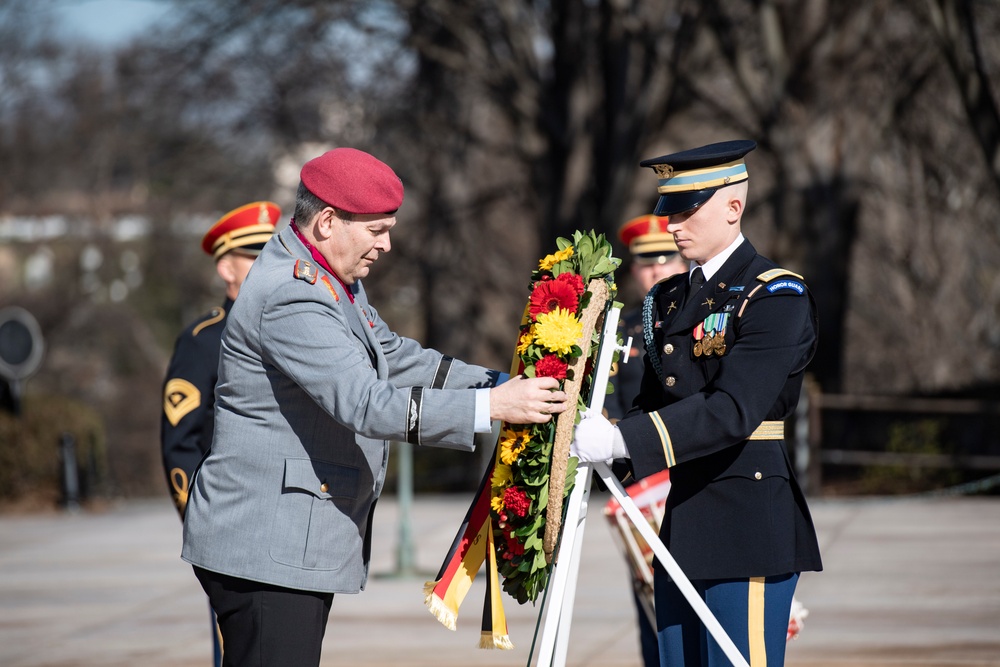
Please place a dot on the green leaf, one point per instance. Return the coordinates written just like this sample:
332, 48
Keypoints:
533, 542
571, 463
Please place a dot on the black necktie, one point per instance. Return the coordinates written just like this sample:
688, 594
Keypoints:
697, 279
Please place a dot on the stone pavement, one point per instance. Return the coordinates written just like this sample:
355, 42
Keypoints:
907, 582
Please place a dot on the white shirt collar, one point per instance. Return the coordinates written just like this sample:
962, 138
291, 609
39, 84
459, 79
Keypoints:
712, 266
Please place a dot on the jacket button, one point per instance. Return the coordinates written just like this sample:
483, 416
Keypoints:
668, 349
757, 475
324, 487
670, 381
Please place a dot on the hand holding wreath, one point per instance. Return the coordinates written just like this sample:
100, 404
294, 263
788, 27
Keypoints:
523, 400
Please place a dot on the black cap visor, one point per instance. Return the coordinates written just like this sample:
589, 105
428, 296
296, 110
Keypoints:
678, 202
650, 258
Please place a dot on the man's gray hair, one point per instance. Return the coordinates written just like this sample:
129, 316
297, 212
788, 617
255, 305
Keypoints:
307, 205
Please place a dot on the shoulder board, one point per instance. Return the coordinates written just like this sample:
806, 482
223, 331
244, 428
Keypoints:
782, 280
769, 280
305, 271
768, 276
214, 316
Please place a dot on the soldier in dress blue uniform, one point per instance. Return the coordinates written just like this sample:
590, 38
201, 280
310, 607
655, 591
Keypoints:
654, 257
727, 345
187, 420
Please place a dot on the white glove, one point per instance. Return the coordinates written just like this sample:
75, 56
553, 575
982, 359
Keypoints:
597, 439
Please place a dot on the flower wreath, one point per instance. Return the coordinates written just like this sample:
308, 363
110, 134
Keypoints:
549, 345
514, 520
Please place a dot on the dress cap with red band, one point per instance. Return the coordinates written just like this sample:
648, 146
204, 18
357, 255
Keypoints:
353, 181
647, 239
246, 229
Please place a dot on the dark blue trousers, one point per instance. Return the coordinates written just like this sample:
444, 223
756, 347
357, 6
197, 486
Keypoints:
753, 612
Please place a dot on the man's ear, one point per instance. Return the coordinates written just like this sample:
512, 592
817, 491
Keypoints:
734, 210
225, 269
325, 220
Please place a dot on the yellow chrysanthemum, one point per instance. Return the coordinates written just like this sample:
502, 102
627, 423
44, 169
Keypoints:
502, 477
524, 341
558, 331
547, 262
511, 445
496, 502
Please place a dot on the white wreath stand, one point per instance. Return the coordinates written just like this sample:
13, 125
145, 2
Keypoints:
558, 606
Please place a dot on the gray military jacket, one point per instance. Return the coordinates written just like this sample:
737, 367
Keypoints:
311, 387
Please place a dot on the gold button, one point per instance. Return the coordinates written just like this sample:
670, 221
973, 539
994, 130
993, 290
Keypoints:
324, 487
757, 475
670, 381
668, 349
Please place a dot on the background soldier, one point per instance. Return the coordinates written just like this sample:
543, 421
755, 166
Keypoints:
187, 421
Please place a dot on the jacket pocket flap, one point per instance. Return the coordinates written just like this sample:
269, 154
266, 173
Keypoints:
321, 478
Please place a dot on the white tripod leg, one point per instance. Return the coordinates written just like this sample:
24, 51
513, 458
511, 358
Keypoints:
673, 569
566, 569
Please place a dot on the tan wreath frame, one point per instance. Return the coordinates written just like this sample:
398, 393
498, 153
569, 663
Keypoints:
592, 314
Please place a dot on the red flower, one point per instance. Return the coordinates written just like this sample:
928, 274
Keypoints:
551, 366
573, 280
551, 294
514, 547
516, 500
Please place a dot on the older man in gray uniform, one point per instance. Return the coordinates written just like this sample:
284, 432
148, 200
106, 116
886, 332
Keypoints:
312, 385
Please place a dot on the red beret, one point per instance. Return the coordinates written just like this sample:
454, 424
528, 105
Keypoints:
647, 235
247, 228
353, 181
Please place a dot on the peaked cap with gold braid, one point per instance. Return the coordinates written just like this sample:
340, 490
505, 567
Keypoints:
246, 229
689, 178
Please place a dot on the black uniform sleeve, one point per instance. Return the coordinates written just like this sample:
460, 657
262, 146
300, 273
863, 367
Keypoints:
187, 420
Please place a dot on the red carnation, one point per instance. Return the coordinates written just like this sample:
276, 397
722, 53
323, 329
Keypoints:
516, 500
573, 280
551, 294
551, 366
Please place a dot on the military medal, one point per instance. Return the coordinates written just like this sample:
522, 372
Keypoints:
710, 335
699, 338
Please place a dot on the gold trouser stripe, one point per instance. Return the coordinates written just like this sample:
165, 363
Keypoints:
668, 446
770, 430
755, 622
